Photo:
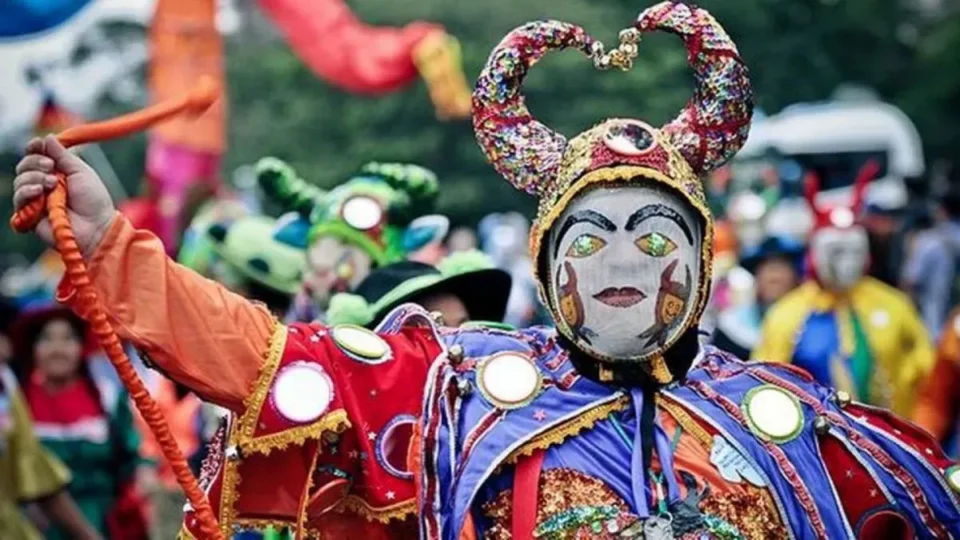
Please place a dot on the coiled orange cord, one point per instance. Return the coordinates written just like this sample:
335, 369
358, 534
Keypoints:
55, 204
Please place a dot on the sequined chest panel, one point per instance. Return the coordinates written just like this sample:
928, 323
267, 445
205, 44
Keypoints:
586, 496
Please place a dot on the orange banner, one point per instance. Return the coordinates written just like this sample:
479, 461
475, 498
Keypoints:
185, 45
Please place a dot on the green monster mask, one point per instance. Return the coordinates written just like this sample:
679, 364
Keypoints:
196, 248
249, 247
367, 222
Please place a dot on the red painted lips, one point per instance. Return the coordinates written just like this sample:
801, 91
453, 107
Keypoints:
623, 297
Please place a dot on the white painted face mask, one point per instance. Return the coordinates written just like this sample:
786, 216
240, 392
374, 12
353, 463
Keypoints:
624, 266
840, 256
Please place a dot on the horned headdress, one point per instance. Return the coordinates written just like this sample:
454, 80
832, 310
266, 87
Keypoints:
534, 158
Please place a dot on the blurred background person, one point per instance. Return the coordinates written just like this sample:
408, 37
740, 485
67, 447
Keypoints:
462, 239
938, 401
465, 287
848, 329
930, 271
84, 420
31, 477
775, 265
435, 249
503, 236
255, 263
183, 412
8, 314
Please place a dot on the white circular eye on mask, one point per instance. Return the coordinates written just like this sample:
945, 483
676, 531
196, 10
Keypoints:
624, 266
840, 256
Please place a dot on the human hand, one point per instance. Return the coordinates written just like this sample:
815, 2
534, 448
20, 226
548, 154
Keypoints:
89, 206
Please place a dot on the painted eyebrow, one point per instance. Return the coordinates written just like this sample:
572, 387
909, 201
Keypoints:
583, 216
659, 210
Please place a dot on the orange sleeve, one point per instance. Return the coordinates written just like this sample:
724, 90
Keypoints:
194, 331
938, 400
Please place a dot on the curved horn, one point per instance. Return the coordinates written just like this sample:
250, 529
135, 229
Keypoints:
281, 185
715, 123
524, 151
867, 174
811, 186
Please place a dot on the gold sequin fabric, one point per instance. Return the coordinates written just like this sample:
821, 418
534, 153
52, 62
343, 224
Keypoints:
747, 511
560, 491
565, 490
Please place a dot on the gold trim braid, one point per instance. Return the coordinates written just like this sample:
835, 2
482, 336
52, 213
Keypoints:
334, 421
246, 424
254, 401
384, 515
568, 429
686, 422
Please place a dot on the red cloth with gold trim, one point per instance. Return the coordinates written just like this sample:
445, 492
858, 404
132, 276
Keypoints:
324, 438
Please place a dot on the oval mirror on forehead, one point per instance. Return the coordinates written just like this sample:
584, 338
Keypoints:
362, 213
631, 138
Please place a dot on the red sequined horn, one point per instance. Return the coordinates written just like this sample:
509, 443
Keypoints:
811, 186
526, 152
715, 123
868, 173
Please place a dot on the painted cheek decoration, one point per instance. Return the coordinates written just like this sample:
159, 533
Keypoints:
570, 304
671, 303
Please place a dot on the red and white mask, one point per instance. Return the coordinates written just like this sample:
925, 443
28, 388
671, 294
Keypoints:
839, 252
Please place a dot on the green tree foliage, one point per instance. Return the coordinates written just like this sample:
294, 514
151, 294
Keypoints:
798, 50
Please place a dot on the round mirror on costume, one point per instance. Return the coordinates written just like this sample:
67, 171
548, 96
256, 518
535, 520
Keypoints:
624, 266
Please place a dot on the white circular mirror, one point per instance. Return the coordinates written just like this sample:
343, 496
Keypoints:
362, 213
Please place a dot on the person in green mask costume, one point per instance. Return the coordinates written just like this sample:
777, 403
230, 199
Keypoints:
377, 217
261, 266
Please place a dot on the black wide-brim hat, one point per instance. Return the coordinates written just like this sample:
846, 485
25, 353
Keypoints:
774, 247
470, 276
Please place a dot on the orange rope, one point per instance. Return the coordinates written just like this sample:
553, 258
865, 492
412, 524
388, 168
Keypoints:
55, 205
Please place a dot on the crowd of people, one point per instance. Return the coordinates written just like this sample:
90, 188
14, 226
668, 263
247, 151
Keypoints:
357, 359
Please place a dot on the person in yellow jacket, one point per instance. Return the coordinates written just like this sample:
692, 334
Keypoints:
847, 329
30, 474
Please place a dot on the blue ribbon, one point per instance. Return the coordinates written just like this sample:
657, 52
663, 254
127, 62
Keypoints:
638, 473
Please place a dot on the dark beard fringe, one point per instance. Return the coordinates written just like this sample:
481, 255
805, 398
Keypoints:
678, 357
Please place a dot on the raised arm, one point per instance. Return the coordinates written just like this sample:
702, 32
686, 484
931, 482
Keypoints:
192, 329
